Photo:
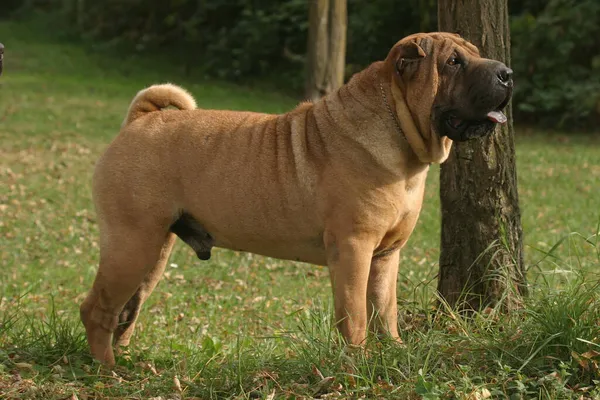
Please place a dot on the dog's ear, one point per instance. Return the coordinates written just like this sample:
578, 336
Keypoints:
406, 53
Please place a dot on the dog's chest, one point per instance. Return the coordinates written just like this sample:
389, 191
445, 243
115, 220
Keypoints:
408, 200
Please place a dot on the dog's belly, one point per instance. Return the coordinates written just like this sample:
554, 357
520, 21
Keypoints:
267, 229
276, 221
303, 251
292, 242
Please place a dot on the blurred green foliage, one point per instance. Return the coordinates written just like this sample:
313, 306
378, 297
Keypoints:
555, 43
556, 55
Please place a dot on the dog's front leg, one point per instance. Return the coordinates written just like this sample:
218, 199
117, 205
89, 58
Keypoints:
349, 261
381, 295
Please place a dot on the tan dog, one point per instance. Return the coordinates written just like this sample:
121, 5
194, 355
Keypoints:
338, 182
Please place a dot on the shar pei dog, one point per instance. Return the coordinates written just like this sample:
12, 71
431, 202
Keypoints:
337, 182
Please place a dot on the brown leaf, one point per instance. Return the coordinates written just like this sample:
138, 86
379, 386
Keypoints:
581, 362
323, 385
316, 372
176, 384
590, 354
351, 381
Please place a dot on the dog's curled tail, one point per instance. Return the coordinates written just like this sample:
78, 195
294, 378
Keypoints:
157, 97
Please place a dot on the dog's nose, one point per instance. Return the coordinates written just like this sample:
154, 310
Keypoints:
504, 75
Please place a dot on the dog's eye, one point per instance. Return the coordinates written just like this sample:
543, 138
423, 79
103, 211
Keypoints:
454, 60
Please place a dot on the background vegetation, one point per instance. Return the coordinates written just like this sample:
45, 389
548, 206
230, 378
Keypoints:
555, 43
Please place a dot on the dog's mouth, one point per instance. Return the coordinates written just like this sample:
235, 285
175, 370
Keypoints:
461, 129
456, 123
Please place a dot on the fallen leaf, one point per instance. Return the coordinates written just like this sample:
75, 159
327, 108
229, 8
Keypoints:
24, 365
323, 385
176, 384
590, 354
316, 372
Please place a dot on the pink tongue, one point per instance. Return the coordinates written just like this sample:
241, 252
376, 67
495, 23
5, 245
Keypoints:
497, 117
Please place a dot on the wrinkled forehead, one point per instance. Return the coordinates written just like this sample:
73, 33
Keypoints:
444, 42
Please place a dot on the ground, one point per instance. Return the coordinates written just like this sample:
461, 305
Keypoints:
244, 326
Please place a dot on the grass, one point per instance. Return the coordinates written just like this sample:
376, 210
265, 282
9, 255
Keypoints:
244, 326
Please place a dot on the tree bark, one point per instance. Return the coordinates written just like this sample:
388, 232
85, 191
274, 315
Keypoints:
481, 259
1, 57
326, 47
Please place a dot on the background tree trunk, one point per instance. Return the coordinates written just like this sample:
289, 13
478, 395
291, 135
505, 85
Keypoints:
481, 260
328, 20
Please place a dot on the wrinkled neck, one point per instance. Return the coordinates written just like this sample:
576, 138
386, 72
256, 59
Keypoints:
359, 112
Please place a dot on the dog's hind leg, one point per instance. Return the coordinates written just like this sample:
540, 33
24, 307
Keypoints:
131, 311
127, 255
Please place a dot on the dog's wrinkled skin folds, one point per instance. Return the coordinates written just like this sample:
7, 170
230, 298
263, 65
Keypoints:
334, 183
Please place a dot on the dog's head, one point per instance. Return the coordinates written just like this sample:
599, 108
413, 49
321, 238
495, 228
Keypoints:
448, 87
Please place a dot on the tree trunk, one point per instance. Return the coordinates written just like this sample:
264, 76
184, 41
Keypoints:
481, 260
326, 47
1, 57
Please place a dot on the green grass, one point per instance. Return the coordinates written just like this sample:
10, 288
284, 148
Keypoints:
244, 326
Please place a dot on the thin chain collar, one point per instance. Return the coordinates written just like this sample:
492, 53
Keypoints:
389, 108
